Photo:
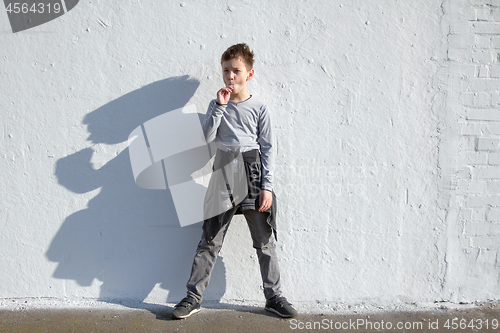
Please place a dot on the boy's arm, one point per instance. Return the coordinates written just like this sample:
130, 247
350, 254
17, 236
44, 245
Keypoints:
216, 109
212, 120
267, 150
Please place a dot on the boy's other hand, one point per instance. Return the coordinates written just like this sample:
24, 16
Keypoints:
265, 200
224, 94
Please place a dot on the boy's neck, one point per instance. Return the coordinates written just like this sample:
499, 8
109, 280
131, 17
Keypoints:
240, 96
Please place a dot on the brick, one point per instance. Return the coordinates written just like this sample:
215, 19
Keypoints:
485, 242
493, 187
495, 98
482, 42
483, 13
483, 71
495, 14
468, 13
488, 172
493, 128
478, 215
482, 201
483, 85
468, 71
494, 158
483, 56
464, 173
462, 84
491, 172
477, 186
495, 71
495, 42
493, 215
463, 55
488, 144
483, 114
495, 3
475, 158
470, 144
482, 99
467, 98
461, 41
492, 28
481, 241
465, 214
476, 201
487, 257
471, 129
462, 185
495, 229
460, 111
478, 228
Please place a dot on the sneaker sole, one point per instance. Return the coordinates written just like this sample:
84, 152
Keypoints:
190, 313
279, 314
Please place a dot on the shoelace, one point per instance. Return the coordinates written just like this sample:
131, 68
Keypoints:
186, 301
281, 301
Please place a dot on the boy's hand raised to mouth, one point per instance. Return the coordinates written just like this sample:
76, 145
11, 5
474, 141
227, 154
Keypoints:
224, 94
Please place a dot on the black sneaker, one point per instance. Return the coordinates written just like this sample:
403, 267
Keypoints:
280, 306
185, 308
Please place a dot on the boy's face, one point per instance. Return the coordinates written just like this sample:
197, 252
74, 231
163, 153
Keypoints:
235, 72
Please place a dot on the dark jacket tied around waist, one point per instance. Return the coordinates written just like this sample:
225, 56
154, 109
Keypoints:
228, 181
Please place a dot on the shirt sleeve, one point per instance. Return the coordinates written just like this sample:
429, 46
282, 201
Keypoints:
267, 150
212, 120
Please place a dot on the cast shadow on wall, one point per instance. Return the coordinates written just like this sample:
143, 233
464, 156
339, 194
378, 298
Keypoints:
128, 238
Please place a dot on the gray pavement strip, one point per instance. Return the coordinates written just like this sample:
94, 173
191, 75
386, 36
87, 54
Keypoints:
484, 318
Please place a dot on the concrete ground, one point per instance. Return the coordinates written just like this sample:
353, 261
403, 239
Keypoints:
481, 318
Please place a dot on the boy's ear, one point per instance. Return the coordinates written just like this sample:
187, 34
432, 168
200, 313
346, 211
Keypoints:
250, 74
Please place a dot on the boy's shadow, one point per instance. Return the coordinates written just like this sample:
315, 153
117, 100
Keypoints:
127, 238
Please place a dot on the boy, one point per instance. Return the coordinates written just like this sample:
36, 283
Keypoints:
240, 124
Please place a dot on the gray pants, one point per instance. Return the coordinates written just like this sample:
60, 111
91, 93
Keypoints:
263, 242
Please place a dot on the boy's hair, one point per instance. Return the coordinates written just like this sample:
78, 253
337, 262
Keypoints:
239, 50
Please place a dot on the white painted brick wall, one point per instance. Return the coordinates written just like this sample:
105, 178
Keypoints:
387, 125
474, 41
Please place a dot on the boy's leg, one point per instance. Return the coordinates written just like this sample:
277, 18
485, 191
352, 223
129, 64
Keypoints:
205, 258
263, 242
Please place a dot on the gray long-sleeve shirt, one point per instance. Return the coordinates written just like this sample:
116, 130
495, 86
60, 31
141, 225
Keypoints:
242, 127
